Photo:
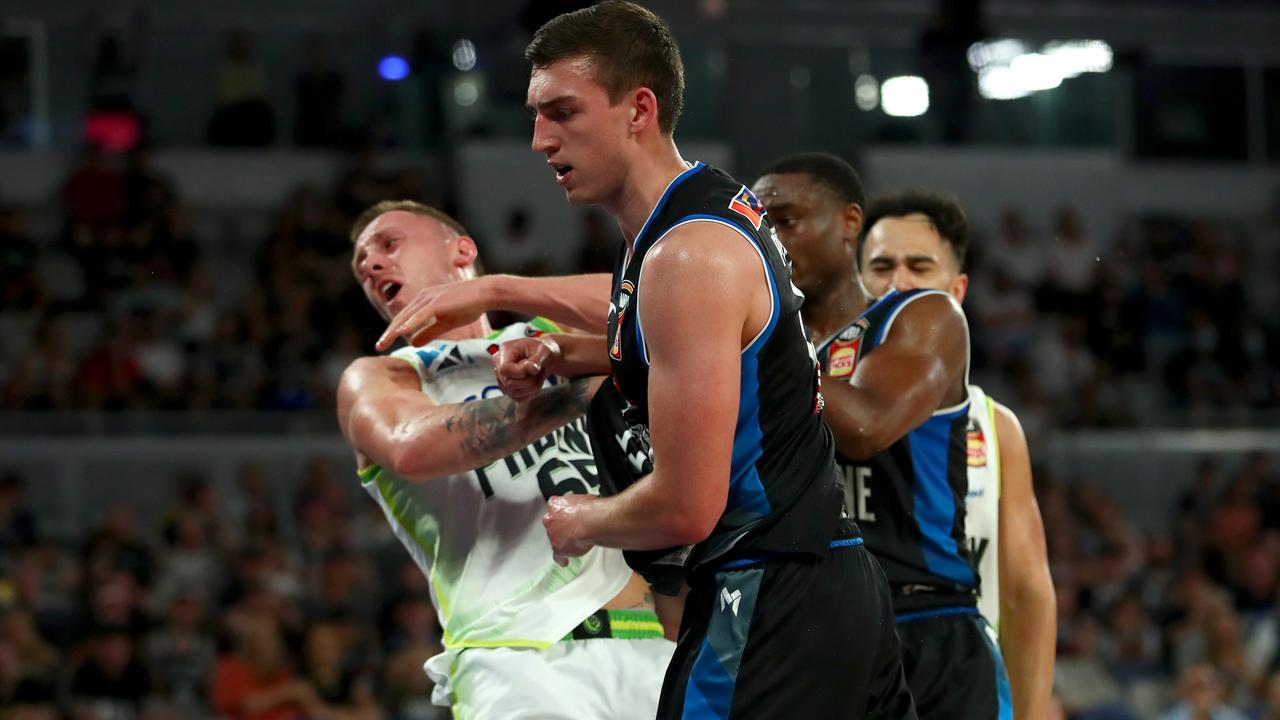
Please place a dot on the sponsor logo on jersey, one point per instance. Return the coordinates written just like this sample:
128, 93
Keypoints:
842, 355
843, 359
746, 204
976, 446
730, 599
624, 298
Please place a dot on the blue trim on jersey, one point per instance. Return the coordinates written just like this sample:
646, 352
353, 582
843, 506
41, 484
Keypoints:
709, 690
697, 167
635, 249
746, 493
747, 499
935, 612
1003, 693
766, 557
935, 508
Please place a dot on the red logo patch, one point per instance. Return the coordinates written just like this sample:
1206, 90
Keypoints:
748, 206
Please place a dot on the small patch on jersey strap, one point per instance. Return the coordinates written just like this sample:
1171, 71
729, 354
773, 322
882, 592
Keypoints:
748, 206
854, 331
842, 356
976, 446
624, 298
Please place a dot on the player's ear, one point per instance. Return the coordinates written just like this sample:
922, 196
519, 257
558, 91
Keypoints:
466, 252
959, 287
851, 224
644, 110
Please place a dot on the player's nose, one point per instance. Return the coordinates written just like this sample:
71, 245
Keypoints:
543, 142
903, 280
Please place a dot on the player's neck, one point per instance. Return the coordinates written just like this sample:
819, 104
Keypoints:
825, 314
647, 180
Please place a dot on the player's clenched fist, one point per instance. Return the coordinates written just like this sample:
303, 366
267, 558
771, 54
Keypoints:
564, 526
523, 365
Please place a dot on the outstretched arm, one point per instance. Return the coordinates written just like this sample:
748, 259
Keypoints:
897, 387
680, 502
574, 301
1028, 605
388, 419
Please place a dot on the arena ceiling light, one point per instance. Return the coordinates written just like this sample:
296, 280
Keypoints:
393, 68
866, 92
1009, 68
464, 55
904, 96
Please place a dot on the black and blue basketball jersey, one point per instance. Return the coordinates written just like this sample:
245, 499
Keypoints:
909, 499
783, 489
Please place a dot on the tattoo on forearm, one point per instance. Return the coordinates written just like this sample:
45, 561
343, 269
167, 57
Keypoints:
501, 425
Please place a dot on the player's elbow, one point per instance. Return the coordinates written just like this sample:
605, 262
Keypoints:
1030, 590
863, 443
689, 525
409, 464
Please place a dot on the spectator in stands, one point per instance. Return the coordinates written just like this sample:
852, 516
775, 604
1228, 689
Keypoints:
1021, 257
111, 682
180, 655
342, 693
1201, 698
17, 522
93, 198
243, 115
1072, 264
413, 636
516, 251
255, 682
318, 93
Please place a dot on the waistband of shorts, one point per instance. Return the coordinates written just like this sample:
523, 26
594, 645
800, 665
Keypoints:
618, 625
760, 559
911, 599
935, 612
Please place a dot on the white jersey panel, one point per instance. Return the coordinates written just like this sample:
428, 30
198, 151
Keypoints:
982, 507
478, 535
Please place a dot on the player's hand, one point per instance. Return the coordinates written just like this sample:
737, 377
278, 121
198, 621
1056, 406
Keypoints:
523, 365
564, 525
437, 310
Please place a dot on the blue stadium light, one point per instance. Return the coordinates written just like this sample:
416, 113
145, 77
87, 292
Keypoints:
393, 68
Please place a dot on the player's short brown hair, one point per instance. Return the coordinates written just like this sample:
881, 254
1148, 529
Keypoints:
410, 206
367, 217
628, 47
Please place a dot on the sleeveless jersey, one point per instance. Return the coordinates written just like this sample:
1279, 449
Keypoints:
783, 494
478, 535
982, 510
909, 498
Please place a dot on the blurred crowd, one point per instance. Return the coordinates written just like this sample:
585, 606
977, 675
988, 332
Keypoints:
214, 609
131, 299
1170, 323
1183, 622
290, 599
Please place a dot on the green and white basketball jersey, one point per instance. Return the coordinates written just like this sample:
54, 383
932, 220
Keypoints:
478, 535
982, 508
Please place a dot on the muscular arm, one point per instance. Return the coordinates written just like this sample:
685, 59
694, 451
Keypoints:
897, 387
582, 355
1028, 629
386, 418
575, 301
697, 266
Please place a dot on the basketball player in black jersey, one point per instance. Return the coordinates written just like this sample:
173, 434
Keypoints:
787, 614
897, 397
